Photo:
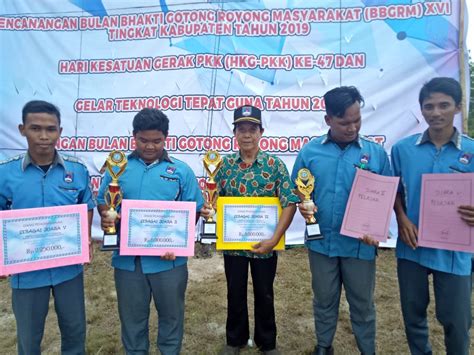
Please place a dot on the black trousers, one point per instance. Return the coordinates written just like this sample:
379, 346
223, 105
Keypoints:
237, 326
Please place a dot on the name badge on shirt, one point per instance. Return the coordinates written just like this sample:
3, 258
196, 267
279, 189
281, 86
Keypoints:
168, 178
363, 162
465, 158
68, 177
364, 158
170, 170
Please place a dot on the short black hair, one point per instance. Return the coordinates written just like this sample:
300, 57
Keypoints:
339, 99
151, 119
443, 85
39, 106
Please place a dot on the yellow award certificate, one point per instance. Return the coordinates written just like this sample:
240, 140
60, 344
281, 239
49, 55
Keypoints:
245, 221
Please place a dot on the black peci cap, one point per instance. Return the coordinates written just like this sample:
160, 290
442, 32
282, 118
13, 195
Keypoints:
249, 114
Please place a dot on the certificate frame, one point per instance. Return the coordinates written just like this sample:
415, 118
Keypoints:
141, 214
25, 234
223, 242
364, 213
440, 225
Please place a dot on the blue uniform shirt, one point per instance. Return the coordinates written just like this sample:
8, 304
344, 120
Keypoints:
334, 170
25, 185
164, 180
417, 155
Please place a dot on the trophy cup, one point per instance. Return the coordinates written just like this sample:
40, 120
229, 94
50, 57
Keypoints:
305, 184
212, 163
113, 197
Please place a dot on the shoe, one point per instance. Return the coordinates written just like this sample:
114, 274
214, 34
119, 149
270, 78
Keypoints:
230, 350
271, 352
320, 350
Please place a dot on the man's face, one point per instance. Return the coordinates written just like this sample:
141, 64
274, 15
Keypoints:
150, 144
41, 131
248, 136
438, 111
345, 129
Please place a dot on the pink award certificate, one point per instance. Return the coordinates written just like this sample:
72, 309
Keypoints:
370, 206
157, 227
440, 224
43, 238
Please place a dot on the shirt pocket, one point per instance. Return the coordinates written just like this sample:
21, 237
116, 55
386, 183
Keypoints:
169, 189
458, 168
69, 193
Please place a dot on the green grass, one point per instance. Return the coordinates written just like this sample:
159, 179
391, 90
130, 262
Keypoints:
206, 310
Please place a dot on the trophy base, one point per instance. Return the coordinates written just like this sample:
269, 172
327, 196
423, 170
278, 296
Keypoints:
110, 242
312, 232
208, 233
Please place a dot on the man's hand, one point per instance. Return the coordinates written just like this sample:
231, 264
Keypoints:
107, 219
168, 256
408, 232
467, 214
207, 210
307, 210
367, 239
264, 247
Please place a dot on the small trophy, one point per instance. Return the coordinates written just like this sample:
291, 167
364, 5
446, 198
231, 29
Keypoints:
113, 197
212, 163
305, 184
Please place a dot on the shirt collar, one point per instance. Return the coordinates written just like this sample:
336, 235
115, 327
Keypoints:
328, 139
58, 159
260, 157
455, 138
164, 156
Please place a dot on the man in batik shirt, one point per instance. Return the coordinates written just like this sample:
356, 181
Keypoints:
253, 173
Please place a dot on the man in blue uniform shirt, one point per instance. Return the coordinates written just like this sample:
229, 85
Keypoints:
440, 149
151, 174
43, 178
337, 260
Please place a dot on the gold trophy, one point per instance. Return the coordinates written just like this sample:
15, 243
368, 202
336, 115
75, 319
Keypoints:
212, 163
305, 184
116, 163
